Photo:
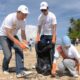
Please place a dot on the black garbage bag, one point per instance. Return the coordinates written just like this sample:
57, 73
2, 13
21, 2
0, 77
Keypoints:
43, 57
43, 66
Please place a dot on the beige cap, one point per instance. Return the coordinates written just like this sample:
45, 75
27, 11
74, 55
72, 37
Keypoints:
23, 9
43, 5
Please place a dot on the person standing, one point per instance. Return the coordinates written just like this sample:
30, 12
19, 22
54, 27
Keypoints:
47, 28
8, 39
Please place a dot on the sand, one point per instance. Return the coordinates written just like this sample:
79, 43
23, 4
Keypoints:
30, 62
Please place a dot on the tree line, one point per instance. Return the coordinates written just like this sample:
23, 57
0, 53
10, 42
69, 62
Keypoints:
74, 29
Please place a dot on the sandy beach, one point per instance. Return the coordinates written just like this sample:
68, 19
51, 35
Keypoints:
30, 61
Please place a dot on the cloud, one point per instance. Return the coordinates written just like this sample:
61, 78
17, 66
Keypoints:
63, 9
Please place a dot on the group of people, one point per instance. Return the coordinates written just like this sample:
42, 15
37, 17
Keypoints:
46, 31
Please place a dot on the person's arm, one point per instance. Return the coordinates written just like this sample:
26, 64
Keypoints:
12, 38
54, 23
38, 34
9, 34
23, 36
78, 66
54, 65
77, 58
24, 39
39, 25
54, 34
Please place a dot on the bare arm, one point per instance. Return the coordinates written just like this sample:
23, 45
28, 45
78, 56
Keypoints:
12, 38
54, 33
23, 35
39, 29
38, 34
10, 35
77, 58
78, 66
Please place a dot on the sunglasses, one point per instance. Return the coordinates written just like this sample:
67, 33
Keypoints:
43, 10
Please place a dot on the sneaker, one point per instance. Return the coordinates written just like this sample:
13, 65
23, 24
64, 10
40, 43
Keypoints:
20, 75
23, 74
76, 76
27, 72
33, 67
5, 72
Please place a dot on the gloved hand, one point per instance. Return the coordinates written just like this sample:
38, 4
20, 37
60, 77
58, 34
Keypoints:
21, 44
53, 70
26, 44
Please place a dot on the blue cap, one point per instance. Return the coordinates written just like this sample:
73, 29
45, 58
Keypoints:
66, 41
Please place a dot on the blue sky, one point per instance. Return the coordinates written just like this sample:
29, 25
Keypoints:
63, 9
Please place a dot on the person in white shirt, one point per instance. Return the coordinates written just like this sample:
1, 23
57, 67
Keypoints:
8, 39
71, 57
46, 27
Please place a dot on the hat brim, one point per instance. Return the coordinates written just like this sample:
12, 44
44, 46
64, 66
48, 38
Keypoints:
25, 12
41, 8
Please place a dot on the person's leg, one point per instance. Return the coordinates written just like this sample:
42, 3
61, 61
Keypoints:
61, 67
19, 59
20, 62
70, 65
5, 43
20, 72
53, 63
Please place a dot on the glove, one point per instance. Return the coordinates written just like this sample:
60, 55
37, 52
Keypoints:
26, 44
53, 70
19, 44
37, 38
22, 45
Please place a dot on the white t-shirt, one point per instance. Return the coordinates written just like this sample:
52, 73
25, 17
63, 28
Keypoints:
46, 22
70, 52
13, 23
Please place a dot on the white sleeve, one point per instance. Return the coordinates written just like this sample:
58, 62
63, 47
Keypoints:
39, 20
75, 53
8, 22
56, 54
54, 21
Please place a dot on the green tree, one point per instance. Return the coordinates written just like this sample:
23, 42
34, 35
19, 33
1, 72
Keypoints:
74, 29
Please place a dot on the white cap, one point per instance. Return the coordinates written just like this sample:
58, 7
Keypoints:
23, 9
43, 5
